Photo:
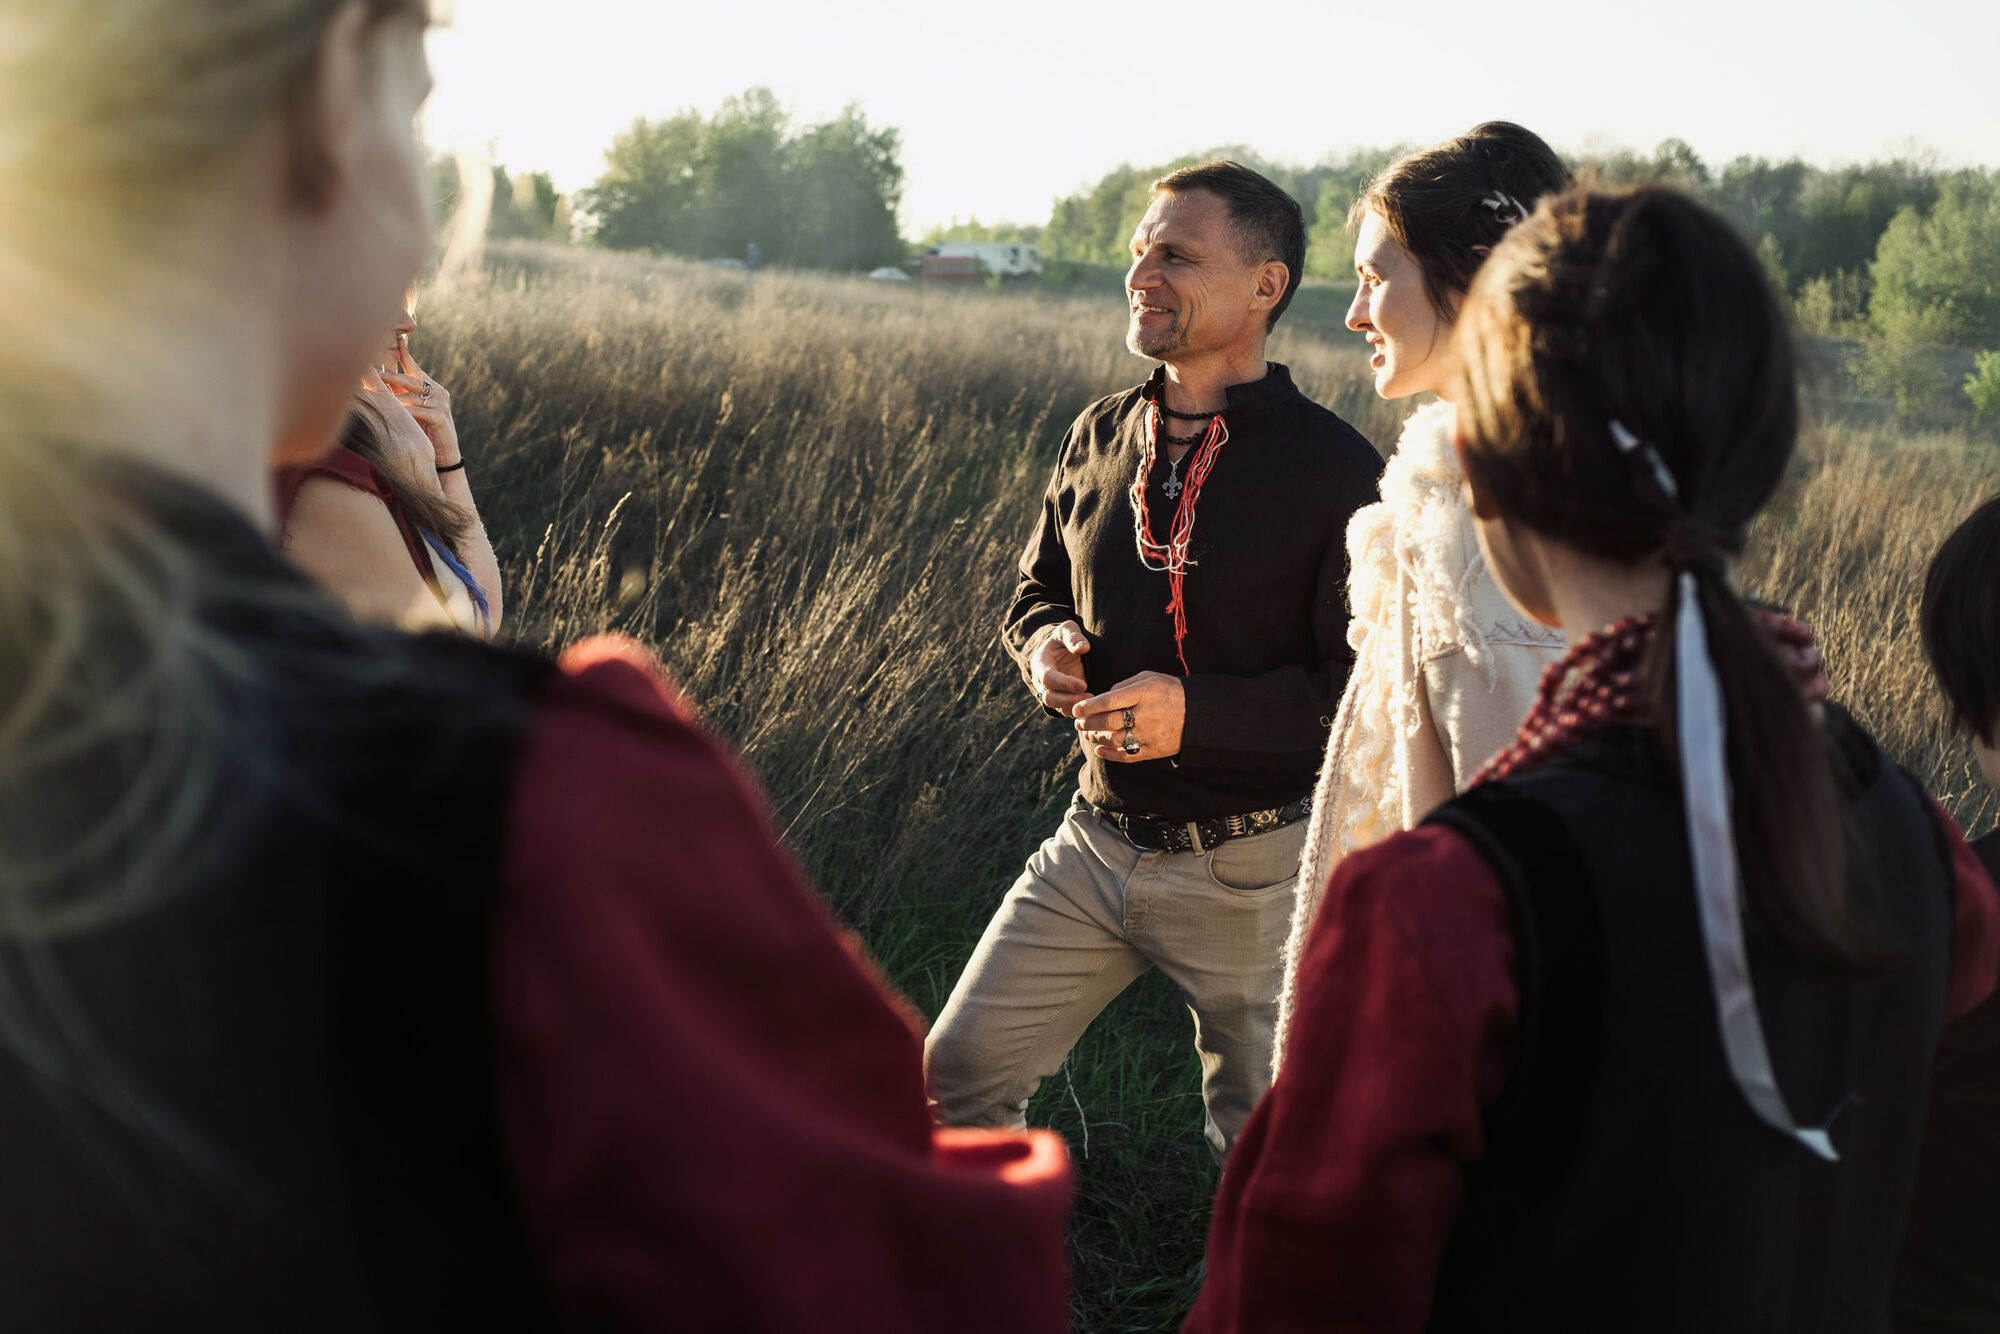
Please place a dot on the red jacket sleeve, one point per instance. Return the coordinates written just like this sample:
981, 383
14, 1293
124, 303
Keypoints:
1975, 936
1340, 1195
716, 1116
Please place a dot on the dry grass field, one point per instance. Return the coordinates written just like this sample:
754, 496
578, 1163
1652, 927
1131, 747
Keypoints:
808, 495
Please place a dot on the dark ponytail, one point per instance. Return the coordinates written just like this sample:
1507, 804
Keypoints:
1790, 841
1628, 390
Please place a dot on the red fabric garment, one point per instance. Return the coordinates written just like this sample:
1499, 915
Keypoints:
716, 1116
1345, 1185
1343, 1188
350, 469
1975, 937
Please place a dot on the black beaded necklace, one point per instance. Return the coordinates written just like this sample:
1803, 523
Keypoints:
1173, 484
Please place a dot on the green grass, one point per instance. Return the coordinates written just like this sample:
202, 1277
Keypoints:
808, 496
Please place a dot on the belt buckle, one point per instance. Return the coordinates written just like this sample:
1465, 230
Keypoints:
1194, 838
1142, 831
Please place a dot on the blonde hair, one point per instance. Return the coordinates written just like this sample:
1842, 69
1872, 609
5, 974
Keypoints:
127, 717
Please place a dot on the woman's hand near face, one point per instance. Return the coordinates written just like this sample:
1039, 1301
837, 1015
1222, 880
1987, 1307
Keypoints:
430, 411
431, 415
409, 446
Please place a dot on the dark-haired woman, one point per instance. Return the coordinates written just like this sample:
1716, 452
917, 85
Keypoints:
384, 518
1444, 669
1635, 1034
352, 980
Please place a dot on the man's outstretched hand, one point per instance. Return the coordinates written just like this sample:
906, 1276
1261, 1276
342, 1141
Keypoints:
1056, 667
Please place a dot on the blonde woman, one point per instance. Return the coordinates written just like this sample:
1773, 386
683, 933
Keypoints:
1444, 668
353, 980
385, 519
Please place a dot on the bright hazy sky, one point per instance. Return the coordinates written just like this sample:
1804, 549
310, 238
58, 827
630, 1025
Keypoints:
1005, 107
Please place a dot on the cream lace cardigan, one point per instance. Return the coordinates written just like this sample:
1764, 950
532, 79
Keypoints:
1445, 669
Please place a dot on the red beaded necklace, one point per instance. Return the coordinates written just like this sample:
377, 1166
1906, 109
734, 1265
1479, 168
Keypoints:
1593, 686
1172, 556
1586, 690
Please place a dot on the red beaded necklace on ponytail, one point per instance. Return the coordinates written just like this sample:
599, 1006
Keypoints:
1172, 556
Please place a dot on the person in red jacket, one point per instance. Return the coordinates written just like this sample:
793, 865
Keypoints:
352, 980
1636, 1033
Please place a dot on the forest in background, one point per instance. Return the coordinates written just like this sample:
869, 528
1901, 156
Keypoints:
1898, 260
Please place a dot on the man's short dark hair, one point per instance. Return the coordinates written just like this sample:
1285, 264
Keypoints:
1961, 621
1268, 222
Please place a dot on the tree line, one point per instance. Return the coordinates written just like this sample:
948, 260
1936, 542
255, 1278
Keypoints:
1901, 255
1813, 225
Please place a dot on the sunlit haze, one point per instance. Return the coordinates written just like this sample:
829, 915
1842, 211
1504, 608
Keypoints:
1003, 108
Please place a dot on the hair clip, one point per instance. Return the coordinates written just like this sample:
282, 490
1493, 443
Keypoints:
1631, 446
1507, 210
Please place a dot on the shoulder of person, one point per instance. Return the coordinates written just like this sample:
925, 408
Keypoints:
1333, 443
617, 765
1094, 429
1103, 416
1430, 885
615, 679
337, 464
346, 537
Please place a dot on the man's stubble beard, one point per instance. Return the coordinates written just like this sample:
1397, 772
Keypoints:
1160, 346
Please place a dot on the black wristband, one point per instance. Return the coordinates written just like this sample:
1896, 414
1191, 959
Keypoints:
451, 467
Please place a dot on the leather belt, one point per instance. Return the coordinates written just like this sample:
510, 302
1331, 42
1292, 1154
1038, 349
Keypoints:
1160, 834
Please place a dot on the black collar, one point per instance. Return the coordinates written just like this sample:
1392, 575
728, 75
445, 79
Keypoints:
1275, 388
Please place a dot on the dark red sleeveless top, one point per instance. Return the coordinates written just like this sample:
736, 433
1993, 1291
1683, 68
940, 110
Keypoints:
350, 469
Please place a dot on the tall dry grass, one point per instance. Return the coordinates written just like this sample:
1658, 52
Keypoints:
808, 495
1847, 545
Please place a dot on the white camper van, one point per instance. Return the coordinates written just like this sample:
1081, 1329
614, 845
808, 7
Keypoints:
1009, 259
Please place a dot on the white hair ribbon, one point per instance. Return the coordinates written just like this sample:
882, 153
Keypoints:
1631, 444
1717, 877
1507, 210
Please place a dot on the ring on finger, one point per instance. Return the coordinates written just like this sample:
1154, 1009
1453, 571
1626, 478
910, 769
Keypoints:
1131, 746
1129, 724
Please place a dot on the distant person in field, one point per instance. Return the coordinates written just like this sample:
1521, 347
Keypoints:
1182, 603
1635, 1034
1445, 669
353, 980
384, 518
1949, 1279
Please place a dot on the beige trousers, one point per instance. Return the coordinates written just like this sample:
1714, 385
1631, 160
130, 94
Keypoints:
1092, 912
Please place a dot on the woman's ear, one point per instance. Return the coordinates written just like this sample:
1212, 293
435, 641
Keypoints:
323, 114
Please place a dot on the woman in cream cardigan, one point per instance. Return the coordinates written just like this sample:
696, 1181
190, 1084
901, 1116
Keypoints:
1445, 668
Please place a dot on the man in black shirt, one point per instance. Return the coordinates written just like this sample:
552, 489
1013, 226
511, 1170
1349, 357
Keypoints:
1183, 603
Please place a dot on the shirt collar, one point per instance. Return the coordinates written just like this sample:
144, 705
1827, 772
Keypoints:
1276, 387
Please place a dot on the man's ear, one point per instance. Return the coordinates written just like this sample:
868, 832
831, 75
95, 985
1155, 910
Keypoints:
322, 115
1273, 277
1476, 496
